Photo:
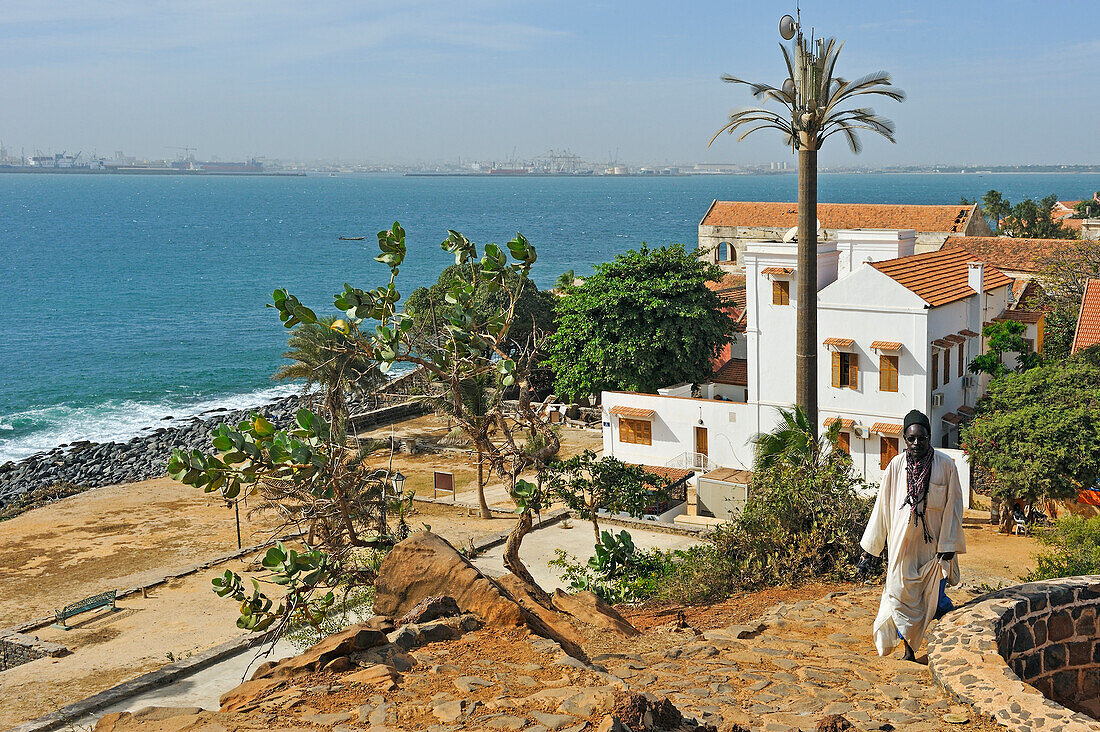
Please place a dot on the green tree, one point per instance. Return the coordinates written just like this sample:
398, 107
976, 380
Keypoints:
480, 402
816, 104
1034, 220
587, 485
1087, 208
1001, 338
1037, 433
794, 441
995, 208
642, 321
1063, 275
323, 355
469, 345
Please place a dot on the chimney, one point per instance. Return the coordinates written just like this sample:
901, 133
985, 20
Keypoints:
975, 276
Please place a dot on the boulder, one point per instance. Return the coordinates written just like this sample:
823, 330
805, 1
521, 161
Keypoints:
247, 696
588, 608
379, 676
431, 608
542, 621
833, 723
358, 637
426, 565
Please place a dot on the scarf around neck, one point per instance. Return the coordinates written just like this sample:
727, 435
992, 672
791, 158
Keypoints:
918, 476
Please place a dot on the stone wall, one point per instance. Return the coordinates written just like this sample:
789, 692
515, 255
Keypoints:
17, 649
1025, 654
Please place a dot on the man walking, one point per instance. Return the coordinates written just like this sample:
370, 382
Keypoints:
918, 516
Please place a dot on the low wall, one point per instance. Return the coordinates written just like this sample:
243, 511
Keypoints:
17, 649
385, 415
1027, 656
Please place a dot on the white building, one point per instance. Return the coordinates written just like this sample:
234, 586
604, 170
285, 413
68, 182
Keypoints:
896, 329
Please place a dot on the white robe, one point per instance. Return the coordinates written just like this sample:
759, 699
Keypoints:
913, 574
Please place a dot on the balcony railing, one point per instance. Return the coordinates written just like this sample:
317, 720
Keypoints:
692, 461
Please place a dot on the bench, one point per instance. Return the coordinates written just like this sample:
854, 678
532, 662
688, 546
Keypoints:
88, 603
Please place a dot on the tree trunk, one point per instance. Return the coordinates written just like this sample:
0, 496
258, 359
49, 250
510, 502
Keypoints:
485, 512
806, 324
595, 526
512, 561
1006, 517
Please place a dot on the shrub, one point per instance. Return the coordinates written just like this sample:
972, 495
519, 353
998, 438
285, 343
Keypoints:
1074, 549
618, 572
802, 522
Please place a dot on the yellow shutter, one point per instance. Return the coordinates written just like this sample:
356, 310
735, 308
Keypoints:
836, 369
853, 370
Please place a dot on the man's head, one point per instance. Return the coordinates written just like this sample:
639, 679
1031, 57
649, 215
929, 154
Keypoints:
918, 434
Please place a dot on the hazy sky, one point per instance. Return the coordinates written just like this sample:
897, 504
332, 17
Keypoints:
404, 80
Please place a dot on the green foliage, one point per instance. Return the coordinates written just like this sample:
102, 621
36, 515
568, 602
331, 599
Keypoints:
1087, 208
1001, 338
1027, 219
1037, 433
802, 522
1060, 325
587, 485
794, 441
534, 310
617, 572
642, 321
1074, 549
354, 605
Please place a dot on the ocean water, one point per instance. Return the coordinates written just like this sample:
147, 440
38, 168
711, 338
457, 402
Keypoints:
125, 300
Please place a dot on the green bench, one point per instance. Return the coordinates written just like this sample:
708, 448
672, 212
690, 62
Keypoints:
88, 603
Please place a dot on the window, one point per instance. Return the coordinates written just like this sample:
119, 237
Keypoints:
935, 369
635, 431
845, 370
888, 450
726, 252
844, 442
781, 292
947, 366
887, 373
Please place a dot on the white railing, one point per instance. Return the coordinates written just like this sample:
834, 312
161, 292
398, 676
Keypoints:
692, 461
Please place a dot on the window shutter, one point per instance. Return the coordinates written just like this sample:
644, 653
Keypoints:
962, 357
935, 369
844, 442
947, 366
853, 370
836, 369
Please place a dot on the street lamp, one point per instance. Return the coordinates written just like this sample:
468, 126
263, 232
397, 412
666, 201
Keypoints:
812, 96
398, 483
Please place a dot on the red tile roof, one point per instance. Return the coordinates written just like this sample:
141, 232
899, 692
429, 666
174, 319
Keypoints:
968, 333
1023, 255
624, 411
777, 271
673, 475
1020, 316
845, 424
952, 418
951, 219
729, 281
839, 342
886, 428
886, 346
734, 372
1088, 323
939, 277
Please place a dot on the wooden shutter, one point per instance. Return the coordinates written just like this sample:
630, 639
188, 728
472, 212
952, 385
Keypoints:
781, 294
836, 369
962, 357
935, 369
887, 373
888, 450
645, 432
947, 366
844, 442
626, 430
853, 370
635, 431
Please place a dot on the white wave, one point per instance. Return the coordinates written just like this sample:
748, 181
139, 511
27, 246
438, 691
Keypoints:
113, 421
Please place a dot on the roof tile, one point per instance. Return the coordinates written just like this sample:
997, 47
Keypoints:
886, 346
1088, 323
839, 342
734, 372
885, 428
951, 219
624, 411
939, 277
1022, 255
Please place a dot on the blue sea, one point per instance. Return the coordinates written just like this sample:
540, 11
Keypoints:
126, 300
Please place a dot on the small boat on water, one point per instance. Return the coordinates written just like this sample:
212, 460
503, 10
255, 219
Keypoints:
352, 238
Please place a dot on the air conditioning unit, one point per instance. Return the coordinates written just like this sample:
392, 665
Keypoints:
861, 431
937, 399
968, 382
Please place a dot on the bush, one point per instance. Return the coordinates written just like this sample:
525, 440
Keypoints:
1074, 549
802, 522
618, 572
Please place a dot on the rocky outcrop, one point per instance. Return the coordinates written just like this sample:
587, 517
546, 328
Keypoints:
431, 608
426, 565
591, 610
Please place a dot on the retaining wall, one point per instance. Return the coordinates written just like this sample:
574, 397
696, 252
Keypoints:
17, 649
1027, 656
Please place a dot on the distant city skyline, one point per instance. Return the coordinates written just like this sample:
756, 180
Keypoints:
404, 82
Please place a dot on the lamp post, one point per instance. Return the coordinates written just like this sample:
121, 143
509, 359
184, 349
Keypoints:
814, 99
398, 482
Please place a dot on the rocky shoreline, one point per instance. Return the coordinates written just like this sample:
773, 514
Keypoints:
91, 464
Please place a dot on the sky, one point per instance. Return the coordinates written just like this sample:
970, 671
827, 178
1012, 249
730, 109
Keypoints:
405, 81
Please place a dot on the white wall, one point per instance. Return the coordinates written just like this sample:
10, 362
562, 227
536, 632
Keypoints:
859, 246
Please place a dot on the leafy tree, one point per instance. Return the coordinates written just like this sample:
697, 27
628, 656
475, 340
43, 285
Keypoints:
642, 321
1063, 275
534, 310
468, 345
1037, 433
586, 485
964, 201
1001, 338
1034, 220
480, 403
795, 441
995, 208
1073, 549
565, 281
618, 571
323, 355
1087, 208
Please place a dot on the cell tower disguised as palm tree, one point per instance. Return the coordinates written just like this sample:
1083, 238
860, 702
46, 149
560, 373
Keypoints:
817, 106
